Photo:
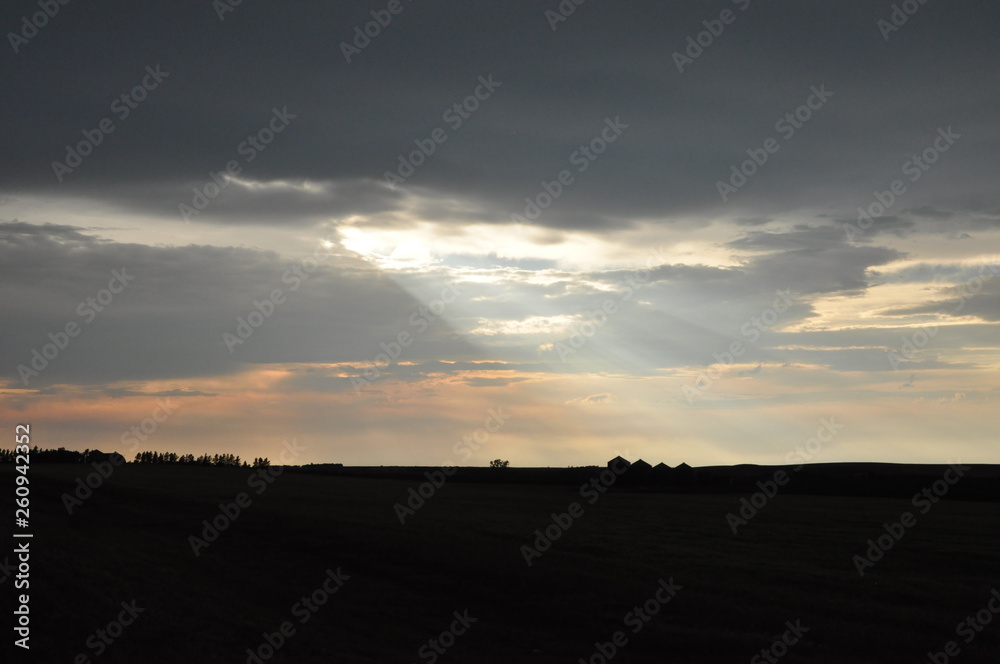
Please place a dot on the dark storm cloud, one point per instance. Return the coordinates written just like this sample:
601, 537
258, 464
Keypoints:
754, 221
978, 296
931, 212
37, 236
812, 259
251, 202
556, 88
959, 273
986, 219
884, 225
170, 312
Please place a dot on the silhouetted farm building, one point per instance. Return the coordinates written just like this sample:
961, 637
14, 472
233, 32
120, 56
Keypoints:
618, 462
685, 475
661, 473
97, 456
641, 474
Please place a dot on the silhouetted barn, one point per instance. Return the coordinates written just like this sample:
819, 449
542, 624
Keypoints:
639, 473
618, 462
661, 474
685, 475
97, 456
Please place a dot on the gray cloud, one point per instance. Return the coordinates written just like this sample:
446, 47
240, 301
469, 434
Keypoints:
170, 319
978, 296
812, 259
353, 120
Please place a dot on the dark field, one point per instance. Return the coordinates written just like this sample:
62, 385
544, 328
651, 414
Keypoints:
461, 551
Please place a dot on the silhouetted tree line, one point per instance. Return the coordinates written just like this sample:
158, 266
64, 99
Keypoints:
38, 455
62, 455
190, 459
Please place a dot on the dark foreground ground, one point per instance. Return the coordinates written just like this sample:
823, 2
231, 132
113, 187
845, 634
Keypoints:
461, 552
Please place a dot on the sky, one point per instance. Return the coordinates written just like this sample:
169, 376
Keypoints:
435, 233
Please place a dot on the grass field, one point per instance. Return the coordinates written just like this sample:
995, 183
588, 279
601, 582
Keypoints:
462, 551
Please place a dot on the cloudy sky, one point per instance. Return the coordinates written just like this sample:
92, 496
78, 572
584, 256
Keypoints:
683, 233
